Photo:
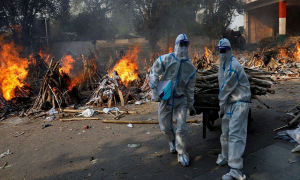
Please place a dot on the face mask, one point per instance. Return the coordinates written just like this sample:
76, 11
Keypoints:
225, 56
181, 52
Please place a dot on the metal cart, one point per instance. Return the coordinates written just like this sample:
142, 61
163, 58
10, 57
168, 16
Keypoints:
208, 104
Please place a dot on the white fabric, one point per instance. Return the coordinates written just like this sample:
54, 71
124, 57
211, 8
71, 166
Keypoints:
181, 52
234, 174
234, 99
52, 111
183, 159
182, 74
106, 110
234, 133
87, 113
295, 134
172, 147
233, 82
221, 160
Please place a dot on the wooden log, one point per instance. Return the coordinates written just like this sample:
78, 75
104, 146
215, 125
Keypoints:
294, 120
140, 122
99, 111
206, 78
55, 98
22, 113
290, 123
78, 119
39, 115
121, 97
262, 82
207, 86
272, 91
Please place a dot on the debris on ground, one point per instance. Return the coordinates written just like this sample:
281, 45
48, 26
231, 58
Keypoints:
133, 145
52, 111
93, 160
49, 118
130, 125
87, 127
295, 134
46, 125
87, 113
291, 161
19, 134
8, 152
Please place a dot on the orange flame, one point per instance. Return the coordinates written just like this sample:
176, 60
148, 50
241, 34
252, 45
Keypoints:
206, 53
12, 68
297, 53
282, 53
127, 66
74, 81
67, 64
44, 56
170, 49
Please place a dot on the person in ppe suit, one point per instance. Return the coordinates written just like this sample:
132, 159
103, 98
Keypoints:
234, 99
175, 94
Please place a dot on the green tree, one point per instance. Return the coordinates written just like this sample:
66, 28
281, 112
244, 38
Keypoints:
93, 20
23, 12
217, 15
155, 19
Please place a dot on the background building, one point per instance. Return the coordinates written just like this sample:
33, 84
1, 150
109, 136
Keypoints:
270, 18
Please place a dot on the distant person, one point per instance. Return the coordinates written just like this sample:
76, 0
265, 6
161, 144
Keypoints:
122, 53
175, 94
234, 104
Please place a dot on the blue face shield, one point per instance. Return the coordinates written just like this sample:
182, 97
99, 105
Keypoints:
223, 49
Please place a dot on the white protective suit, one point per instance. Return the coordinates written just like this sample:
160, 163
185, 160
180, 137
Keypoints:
234, 96
178, 68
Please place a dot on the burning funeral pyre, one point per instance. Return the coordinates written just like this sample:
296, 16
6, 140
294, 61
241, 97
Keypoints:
55, 89
13, 89
122, 84
61, 84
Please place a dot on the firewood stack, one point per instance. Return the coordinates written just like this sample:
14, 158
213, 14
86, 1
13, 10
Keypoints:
90, 74
54, 89
4, 104
107, 91
205, 61
111, 91
260, 81
19, 101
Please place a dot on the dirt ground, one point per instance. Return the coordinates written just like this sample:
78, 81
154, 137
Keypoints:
64, 150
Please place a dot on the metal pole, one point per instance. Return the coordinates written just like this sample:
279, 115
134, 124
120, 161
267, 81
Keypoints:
282, 21
46, 26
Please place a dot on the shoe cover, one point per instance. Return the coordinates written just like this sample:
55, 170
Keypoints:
172, 147
221, 161
183, 159
234, 174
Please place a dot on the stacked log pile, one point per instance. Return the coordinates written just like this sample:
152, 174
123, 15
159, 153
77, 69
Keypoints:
54, 89
111, 91
283, 61
20, 101
90, 74
205, 61
260, 81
